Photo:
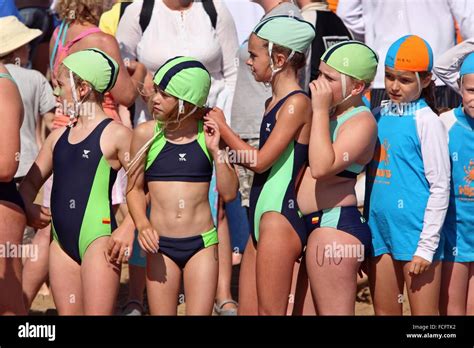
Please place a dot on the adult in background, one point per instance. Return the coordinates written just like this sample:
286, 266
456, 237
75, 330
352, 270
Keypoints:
380, 23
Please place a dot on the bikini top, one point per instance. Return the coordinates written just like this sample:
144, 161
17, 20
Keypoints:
190, 162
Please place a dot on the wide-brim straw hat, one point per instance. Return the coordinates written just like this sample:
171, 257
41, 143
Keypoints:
14, 34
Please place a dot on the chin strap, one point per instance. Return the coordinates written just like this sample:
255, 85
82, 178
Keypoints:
272, 66
74, 112
344, 94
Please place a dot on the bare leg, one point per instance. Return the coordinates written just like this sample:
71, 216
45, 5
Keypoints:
100, 279
278, 248
65, 278
332, 272
35, 271
470, 293
454, 287
136, 286
304, 304
12, 224
386, 285
423, 290
225, 260
292, 297
200, 281
163, 280
248, 303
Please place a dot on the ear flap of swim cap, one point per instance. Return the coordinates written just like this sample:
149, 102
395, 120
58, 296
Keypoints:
467, 66
352, 58
410, 53
184, 78
290, 32
95, 67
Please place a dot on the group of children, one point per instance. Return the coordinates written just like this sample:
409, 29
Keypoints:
419, 205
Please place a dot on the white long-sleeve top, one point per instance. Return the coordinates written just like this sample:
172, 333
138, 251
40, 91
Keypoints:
379, 23
435, 154
184, 33
448, 65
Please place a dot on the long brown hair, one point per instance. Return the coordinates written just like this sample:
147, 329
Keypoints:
428, 93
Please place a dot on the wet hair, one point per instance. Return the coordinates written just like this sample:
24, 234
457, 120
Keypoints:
80, 10
428, 93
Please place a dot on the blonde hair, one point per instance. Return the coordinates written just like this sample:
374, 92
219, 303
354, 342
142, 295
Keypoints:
80, 10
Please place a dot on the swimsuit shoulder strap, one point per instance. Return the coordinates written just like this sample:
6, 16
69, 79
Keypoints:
336, 124
282, 100
7, 76
201, 139
278, 105
156, 146
81, 36
59, 35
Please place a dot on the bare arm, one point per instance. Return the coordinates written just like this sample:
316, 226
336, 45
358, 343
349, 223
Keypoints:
45, 122
226, 178
356, 138
120, 245
39, 172
136, 199
290, 120
48, 119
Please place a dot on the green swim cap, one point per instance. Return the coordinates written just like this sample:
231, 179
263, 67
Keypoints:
290, 32
94, 66
352, 58
184, 78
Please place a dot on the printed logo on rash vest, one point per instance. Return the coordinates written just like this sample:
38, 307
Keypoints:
86, 154
182, 157
466, 191
382, 157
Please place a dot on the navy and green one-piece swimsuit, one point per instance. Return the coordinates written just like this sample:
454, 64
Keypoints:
275, 189
81, 203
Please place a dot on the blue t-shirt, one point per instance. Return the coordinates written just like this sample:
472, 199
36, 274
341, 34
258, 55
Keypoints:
8, 8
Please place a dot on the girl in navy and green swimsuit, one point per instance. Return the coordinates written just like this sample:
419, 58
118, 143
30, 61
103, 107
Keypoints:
173, 159
278, 233
85, 158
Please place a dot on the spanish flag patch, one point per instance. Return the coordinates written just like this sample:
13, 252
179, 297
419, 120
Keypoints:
315, 220
106, 221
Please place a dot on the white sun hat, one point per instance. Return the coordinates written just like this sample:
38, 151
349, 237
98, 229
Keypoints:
14, 34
